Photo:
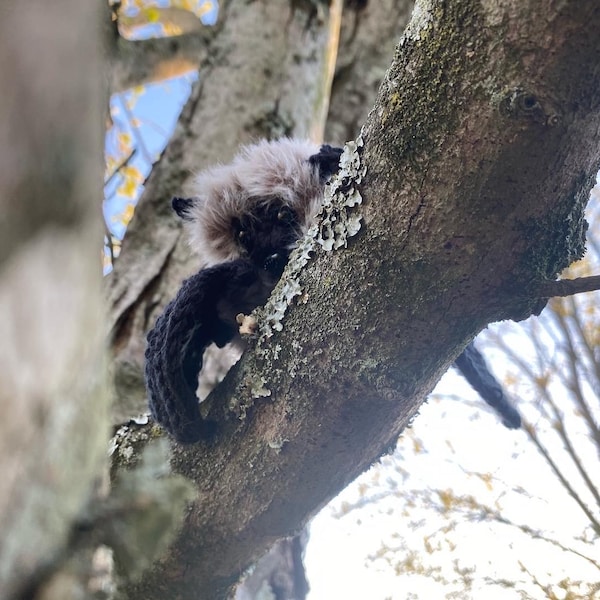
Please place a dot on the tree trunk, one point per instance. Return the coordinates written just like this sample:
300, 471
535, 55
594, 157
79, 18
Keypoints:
367, 40
480, 153
54, 425
367, 43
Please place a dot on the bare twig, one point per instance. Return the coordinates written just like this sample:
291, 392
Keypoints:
122, 164
108, 237
561, 477
586, 339
134, 129
573, 382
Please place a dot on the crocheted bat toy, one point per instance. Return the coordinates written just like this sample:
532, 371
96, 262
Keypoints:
244, 220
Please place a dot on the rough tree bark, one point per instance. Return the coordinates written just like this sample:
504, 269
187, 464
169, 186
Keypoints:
367, 40
54, 426
481, 150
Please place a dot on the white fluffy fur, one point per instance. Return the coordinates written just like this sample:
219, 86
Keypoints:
259, 173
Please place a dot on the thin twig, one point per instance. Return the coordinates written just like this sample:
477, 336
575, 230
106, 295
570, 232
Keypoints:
561, 477
135, 130
573, 382
122, 164
109, 244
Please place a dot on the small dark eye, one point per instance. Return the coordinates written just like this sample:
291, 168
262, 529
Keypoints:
285, 214
239, 232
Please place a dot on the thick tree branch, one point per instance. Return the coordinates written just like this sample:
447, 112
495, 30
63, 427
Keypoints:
569, 287
481, 151
136, 62
174, 18
144, 61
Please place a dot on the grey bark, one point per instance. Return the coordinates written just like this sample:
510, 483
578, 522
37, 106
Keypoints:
279, 574
54, 425
266, 77
481, 150
367, 42
137, 62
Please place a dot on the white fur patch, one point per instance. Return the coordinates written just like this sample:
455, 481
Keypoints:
260, 172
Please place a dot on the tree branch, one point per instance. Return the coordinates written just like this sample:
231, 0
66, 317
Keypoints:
463, 196
569, 287
594, 523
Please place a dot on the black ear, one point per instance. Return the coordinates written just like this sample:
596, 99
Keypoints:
327, 161
182, 207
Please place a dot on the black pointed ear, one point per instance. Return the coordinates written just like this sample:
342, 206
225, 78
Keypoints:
327, 161
182, 207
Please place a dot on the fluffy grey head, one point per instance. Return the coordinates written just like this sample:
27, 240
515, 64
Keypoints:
261, 174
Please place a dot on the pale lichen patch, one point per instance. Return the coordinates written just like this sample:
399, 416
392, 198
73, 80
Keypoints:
420, 22
335, 224
258, 388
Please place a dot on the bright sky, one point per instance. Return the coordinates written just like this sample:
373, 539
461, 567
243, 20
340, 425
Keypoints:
460, 439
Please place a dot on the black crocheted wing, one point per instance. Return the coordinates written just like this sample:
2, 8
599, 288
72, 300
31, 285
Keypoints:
203, 312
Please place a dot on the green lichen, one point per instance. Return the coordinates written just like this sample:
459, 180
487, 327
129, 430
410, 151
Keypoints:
258, 389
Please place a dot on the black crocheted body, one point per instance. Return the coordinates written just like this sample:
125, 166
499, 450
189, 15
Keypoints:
263, 222
203, 312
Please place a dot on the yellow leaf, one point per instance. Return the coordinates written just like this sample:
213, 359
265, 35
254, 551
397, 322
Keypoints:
171, 29
133, 173
446, 498
110, 165
560, 307
128, 189
152, 14
487, 480
127, 213
204, 8
417, 446
124, 141
542, 380
106, 260
187, 5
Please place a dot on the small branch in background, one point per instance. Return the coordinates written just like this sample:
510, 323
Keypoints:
586, 341
568, 287
573, 383
108, 240
178, 21
124, 163
141, 145
531, 433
